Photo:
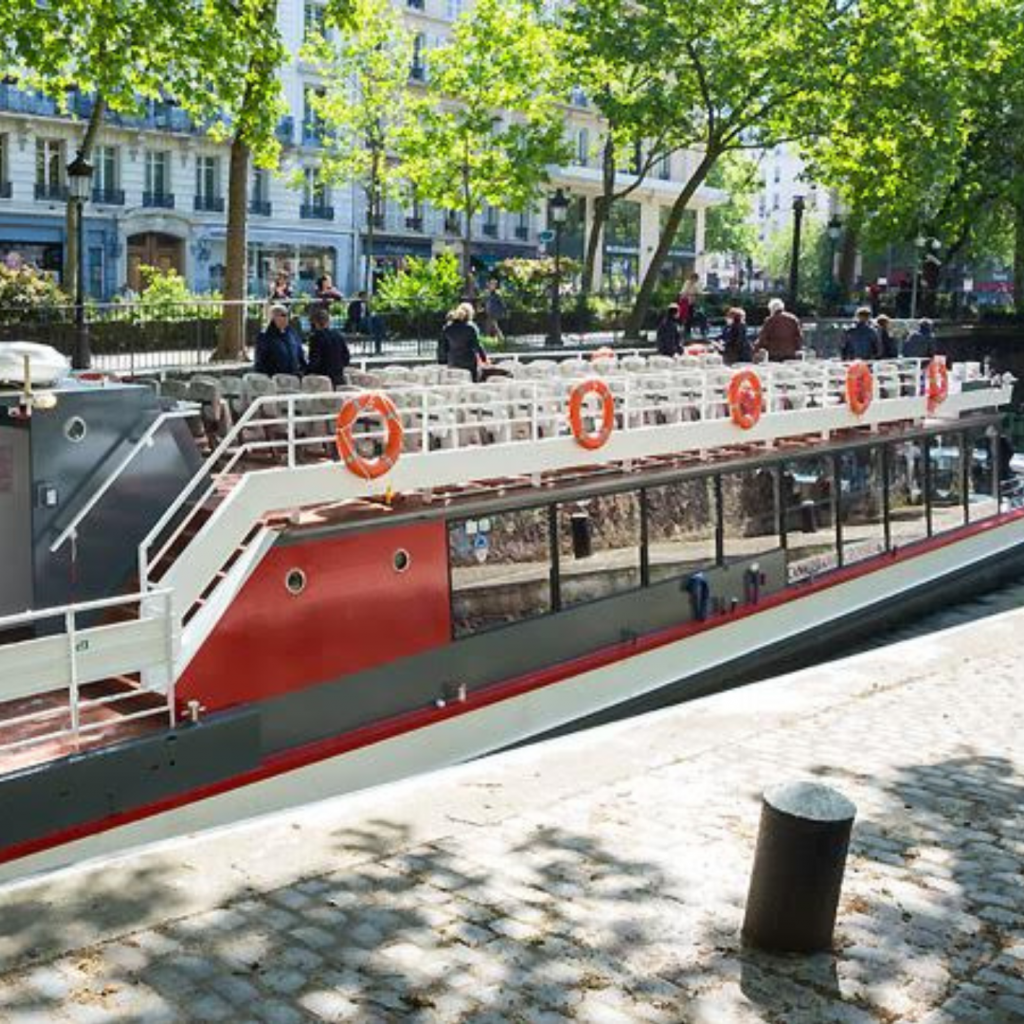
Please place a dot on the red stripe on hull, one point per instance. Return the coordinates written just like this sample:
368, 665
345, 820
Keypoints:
322, 750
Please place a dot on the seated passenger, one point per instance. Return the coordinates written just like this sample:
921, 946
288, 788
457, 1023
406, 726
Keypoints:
328, 350
736, 347
278, 348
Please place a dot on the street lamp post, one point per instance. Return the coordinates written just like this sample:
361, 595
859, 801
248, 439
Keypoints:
558, 209
79, 185
794, 262
834, 229
920, 244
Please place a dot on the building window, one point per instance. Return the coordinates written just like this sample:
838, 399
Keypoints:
312, 122
500, 569
583, 147
455, 9
50, 181
106, 179
523, 227
208, 196
314, 22
5, 174
316, 198
490, 227
416, 5
157, 172
598, 547
414, 215
259, 195
418, 71
665, 167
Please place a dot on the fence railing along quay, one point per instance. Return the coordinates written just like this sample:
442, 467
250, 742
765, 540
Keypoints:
141, 337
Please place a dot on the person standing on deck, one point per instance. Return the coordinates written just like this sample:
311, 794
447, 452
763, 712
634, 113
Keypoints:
736, 347
278, 348
781, 336
861, 341
460, 346
328, 350
669, 337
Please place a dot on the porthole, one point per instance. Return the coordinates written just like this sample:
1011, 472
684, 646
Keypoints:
295, 582
402, 560
75, 429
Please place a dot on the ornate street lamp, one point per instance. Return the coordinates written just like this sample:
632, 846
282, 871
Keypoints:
558, 211
834, 231
80, 187
794, 262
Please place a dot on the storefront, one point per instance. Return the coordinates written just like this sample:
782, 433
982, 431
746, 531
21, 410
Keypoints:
390, 253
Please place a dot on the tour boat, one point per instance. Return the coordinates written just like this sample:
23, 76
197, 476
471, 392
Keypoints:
236, 595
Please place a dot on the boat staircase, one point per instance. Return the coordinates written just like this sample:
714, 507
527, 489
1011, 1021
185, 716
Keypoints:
78, 685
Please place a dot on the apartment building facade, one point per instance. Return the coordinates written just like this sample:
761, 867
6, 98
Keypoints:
160, 188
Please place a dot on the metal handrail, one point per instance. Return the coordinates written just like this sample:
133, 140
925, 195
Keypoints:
145, 441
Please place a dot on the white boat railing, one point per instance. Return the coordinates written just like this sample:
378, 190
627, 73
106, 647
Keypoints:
528, 408
73, 656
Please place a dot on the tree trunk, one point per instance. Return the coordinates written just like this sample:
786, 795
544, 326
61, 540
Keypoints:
1018, 256
231, 344
635, 320
71, 257
602, 210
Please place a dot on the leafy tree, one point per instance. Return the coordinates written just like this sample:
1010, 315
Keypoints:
489, 122
728, 227
422, 285
364, 104
735, 76
28, 294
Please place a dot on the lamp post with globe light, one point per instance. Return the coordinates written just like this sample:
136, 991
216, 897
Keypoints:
834, 230
80, 185
921, 244
794, 262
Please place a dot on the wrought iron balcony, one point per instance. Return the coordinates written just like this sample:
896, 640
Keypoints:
260, 207
316, 211
108, 196
286, 130
414, 223
209, 204
5, 190
158, 200
418, 73
51, 193
522, 232
491, 230
452, 226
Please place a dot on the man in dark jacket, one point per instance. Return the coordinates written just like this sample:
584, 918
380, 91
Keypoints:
360, 320
278, 348
861, 341
781, 336
669, 337
460, 342
328, 350
921, 344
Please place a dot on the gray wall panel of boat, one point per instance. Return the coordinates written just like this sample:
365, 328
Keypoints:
798, 868
53, 463
504, 653
93, 785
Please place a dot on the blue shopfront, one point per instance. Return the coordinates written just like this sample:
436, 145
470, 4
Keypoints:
40, 240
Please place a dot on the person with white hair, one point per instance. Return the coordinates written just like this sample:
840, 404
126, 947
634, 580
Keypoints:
460, 341
781, 336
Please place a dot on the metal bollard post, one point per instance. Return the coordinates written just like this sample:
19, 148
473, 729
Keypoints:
798, 868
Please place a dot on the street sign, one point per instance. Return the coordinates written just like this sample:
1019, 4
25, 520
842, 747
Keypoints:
545, 236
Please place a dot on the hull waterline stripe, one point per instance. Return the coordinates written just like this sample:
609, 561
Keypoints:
411, 721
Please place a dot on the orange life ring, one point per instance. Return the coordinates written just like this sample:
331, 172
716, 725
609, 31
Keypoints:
745, 399
860, 387
938, 383
591, 386
351, 410
604, 352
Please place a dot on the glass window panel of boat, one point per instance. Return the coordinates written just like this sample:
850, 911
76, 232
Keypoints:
907, 522
862, 504
598, 547
680, 528
982, 501
807, 500
750, 522
500, 569
947, 482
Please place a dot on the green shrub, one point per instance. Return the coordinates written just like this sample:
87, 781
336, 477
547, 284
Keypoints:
421, 287
167, 298
28, 294
528, 282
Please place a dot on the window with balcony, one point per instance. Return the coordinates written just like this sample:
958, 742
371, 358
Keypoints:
490, 226
665, 167
259, 194
208, 194
452, 222
106, 176
157, 188
316, 197
414, 215
418, 70
415, 5
314, 24
522, 231
5, 172
455, 9
50, 166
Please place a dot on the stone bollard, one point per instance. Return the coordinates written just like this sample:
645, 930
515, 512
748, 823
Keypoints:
798, 868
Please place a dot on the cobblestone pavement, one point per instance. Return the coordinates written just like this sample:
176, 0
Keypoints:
599, 878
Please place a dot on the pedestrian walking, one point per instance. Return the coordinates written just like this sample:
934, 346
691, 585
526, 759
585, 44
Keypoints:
281, 289
460, 346
326, 294
781, 336
736, 347
360, 319
669, 336
328, 350
278, 347
861, 341
495, 311
689, 304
